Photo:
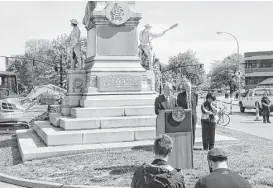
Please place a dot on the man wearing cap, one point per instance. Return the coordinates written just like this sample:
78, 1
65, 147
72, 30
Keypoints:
220, 176
73, 42
145, 37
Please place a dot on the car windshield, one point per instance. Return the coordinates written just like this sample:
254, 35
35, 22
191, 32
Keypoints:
260, 92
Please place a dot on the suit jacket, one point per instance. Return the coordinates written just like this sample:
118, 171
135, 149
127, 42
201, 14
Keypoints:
161, 103
182, 101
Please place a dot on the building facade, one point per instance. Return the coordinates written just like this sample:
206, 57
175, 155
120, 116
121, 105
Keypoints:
258, 67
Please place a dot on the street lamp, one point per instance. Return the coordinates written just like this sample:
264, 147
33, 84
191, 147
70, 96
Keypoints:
233, 37
238, 67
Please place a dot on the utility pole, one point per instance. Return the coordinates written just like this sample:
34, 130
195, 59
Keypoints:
160, 86
61, 71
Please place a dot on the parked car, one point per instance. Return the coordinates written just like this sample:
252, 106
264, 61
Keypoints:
252, 98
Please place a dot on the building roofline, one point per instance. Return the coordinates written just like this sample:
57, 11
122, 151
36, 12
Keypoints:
258, 53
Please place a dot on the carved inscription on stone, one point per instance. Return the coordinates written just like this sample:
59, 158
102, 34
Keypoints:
119, 83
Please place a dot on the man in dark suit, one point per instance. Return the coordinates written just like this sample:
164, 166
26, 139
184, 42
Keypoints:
183, 102
166, 100
220, 175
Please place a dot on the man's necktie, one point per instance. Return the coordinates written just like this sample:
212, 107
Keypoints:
168, 103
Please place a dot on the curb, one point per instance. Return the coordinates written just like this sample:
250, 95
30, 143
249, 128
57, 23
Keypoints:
41, 184
228, 103
27, 183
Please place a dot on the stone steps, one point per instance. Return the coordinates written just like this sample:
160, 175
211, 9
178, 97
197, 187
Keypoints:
53, 136
107, 122
117, 100
55, 121
31, 146
112, 111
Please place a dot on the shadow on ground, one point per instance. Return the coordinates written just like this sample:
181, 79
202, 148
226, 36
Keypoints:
145, 148
119, 170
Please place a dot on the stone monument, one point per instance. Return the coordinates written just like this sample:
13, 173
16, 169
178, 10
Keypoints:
110, 103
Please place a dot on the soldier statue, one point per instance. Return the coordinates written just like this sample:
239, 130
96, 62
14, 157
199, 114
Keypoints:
145, 37
89, 8
73, 42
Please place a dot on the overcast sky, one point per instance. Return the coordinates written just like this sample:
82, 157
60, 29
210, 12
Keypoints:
250, 22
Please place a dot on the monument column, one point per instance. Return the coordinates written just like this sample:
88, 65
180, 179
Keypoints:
112, 65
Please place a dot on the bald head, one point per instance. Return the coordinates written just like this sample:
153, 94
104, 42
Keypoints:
167, 88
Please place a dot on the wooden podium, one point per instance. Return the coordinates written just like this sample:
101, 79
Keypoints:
181, 133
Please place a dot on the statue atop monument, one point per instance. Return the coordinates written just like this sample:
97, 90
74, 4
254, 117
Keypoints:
89, 8
73, 42
145, 38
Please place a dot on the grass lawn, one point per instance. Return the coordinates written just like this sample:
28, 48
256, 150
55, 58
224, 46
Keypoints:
252, 157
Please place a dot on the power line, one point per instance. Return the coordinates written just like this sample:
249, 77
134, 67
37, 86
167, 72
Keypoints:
31, 60
180, 66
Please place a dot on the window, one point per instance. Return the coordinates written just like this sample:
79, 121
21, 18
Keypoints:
269, 92
260, 92
7, 106
247, 93
9, 82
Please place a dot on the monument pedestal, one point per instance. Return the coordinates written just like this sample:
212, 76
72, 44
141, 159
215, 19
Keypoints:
76, 81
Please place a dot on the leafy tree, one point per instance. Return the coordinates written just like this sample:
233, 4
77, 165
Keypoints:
46, 53
222, 73
195, 74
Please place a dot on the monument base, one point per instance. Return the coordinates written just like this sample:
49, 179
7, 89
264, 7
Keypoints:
32, 147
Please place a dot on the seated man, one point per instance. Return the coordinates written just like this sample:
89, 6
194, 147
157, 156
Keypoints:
220, 176
166, 100
159, 174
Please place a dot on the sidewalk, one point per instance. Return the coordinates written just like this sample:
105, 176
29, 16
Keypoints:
227, 100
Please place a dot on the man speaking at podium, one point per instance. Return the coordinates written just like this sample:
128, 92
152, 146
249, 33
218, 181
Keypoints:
165, 101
